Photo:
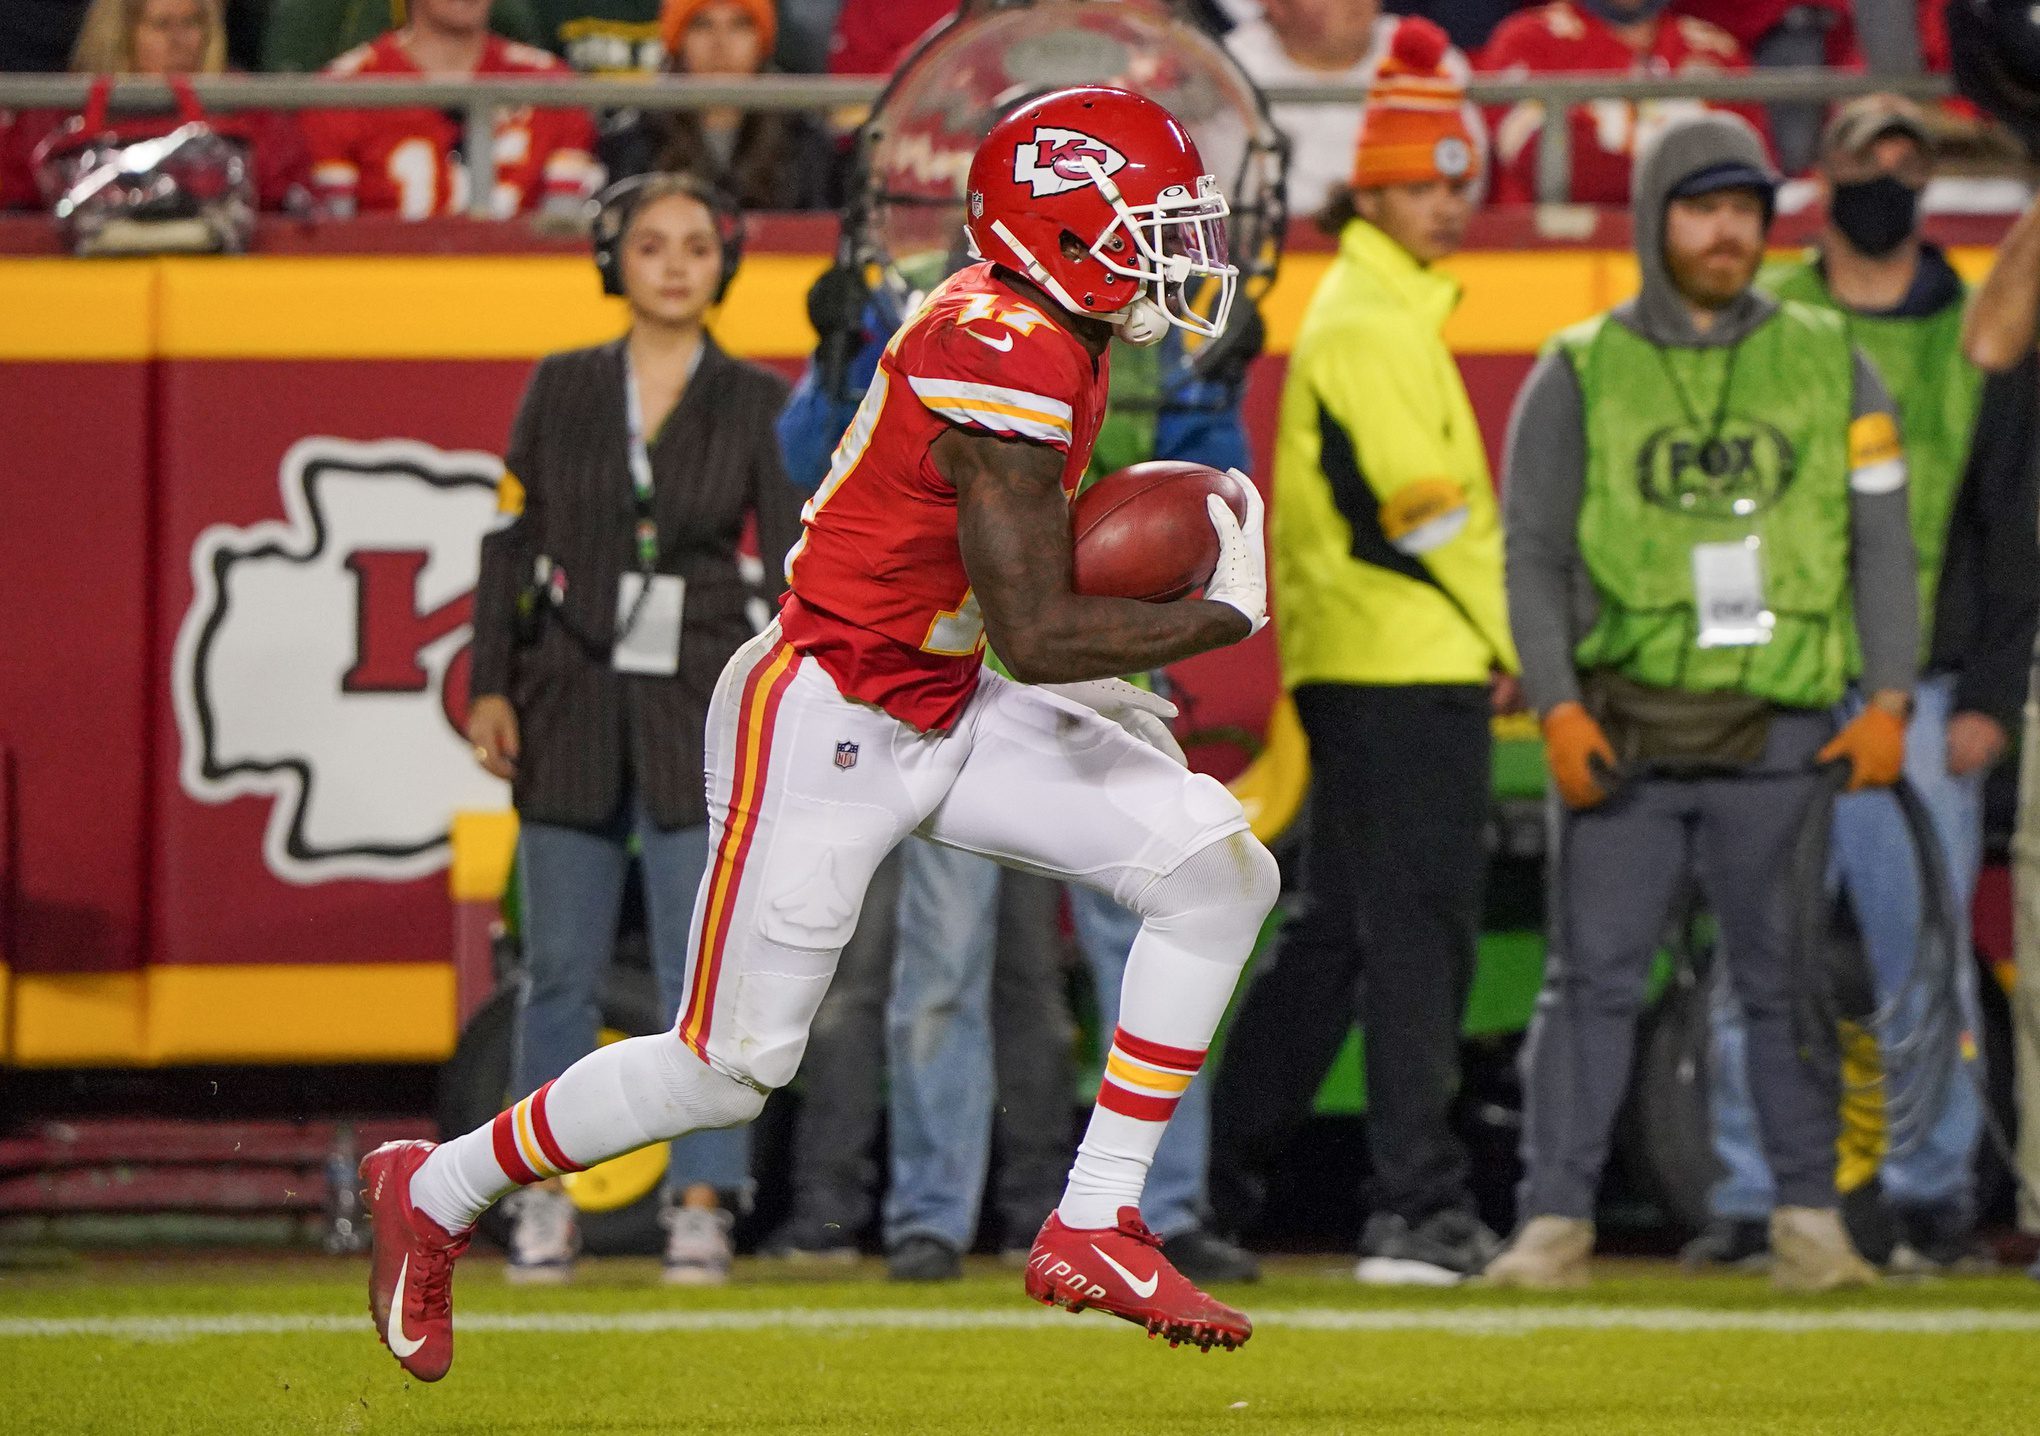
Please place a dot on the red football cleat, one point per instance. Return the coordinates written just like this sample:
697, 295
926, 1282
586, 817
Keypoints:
1122, 1270
410, 1272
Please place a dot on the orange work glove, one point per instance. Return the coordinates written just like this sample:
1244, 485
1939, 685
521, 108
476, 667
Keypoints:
1572, 740
1874, 743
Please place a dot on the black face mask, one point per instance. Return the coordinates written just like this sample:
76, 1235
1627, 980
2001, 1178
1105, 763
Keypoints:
1876, 215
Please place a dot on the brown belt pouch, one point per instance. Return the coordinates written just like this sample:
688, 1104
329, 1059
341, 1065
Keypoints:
1674, 731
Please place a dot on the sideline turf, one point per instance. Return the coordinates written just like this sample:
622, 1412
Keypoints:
1082, 1375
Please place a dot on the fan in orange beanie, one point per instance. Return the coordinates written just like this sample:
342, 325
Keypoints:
1415, 127
679, 15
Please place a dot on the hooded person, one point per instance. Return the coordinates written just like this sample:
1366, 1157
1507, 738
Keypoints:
1705, 491
1969, 443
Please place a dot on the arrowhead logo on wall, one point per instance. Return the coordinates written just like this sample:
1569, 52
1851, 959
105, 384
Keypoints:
323, 662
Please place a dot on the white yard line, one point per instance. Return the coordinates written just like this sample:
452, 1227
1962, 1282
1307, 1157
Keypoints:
849, 1321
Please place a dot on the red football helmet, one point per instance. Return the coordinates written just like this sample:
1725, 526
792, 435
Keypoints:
1118, 174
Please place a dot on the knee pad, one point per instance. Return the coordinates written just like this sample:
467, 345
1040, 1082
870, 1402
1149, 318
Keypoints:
1235, 879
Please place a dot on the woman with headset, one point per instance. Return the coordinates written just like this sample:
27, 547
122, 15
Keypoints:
610, 599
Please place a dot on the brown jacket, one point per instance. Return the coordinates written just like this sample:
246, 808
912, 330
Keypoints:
588, 733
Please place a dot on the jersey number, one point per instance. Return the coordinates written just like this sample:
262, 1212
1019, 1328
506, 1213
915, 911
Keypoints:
414, 168
958, 632
1022, 319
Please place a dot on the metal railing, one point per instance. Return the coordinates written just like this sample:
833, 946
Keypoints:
478, 98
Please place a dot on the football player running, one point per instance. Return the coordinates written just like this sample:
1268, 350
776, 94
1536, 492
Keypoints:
865, 713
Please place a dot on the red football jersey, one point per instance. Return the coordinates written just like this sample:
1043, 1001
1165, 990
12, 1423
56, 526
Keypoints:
877, 590
406, 161
1606, 134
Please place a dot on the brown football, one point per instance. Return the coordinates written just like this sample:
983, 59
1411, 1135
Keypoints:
1144, 532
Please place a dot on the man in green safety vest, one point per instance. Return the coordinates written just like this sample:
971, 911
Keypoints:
1969, 451
1705, 492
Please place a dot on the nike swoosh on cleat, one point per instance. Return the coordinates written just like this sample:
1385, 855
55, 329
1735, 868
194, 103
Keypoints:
1005, 348
1141, 1289
402, 1345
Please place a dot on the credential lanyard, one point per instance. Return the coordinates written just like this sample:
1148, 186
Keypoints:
640, 467
640, 457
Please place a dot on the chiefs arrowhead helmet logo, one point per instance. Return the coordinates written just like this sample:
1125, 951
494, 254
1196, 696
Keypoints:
1053, 162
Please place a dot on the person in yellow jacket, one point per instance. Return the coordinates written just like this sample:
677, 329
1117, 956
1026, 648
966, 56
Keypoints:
1395, 644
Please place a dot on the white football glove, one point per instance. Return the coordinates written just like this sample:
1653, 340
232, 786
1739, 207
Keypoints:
1143, 714
1241, 579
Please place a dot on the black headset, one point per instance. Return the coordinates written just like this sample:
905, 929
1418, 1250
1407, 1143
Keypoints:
615, 206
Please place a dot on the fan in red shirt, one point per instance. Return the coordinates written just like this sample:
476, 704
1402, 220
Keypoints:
1611, 37
408, 161
1751, 22
873, 36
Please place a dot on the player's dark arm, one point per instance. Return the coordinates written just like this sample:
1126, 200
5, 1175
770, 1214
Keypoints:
1014, 526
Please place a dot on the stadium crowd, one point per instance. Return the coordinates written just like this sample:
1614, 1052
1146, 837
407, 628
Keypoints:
407, 162
1404, 632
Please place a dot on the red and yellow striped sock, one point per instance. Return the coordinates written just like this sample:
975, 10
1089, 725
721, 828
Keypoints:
522, 1139
1143, 1083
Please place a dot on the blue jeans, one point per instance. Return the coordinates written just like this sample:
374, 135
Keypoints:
1874, 863
573, 882
940, 1059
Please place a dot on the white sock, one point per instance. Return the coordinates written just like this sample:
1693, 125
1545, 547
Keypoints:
616, 1099
1201, 921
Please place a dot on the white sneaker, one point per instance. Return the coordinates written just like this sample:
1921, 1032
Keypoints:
1814, 1252
545, 1239
1547, 1254
698, 1246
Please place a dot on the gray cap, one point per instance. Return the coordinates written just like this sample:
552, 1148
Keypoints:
1867, 119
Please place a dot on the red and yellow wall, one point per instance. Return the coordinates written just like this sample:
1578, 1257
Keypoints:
144, 401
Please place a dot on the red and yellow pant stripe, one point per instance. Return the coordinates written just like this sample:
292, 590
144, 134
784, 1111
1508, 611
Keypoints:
524, 1144
757, 716
1145, 1080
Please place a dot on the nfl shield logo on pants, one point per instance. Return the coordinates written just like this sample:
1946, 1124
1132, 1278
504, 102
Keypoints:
846, 755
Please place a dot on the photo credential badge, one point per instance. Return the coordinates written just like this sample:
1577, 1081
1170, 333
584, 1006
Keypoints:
1728, 592
648, 624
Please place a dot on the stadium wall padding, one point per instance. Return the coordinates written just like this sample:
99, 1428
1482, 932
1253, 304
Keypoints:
241, 500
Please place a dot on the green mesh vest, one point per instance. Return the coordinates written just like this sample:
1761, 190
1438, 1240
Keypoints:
1662, 477
1937, 392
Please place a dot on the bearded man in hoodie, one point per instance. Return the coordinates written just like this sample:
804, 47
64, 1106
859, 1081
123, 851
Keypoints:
1705, 493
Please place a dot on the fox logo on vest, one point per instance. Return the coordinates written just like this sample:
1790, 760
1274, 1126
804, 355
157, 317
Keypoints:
1053, 162
323, 663
1737, 472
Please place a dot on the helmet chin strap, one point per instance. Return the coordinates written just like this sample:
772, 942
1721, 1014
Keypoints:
1142, 322
1038, 272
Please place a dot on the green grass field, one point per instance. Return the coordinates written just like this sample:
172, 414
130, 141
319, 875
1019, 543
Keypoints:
131, 1347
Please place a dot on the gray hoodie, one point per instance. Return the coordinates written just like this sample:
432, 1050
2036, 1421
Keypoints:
1552, 601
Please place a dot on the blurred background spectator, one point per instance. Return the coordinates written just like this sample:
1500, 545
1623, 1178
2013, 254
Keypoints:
308, 35
408, 162
1613, 37
872, 36
1304, 42
765, 159
1787, 32
1394, 641
157, 37
591, 691
1970, 456
977, 1037
1706, 492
